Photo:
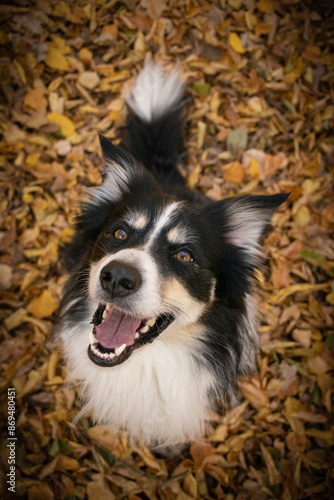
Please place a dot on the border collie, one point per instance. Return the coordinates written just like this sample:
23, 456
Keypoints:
158, 318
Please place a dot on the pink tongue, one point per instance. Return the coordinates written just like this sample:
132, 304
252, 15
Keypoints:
118, 328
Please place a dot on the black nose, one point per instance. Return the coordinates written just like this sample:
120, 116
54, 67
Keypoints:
120, 279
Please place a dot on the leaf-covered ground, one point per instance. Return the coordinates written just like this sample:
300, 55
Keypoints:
261, 115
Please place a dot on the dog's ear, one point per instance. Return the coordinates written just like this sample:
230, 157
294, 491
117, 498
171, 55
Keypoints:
113, 154
246, 219
121, 172
118, 170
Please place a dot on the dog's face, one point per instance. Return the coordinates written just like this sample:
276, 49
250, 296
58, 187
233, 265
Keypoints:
156, 265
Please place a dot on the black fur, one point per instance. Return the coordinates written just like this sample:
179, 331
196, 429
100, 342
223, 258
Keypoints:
222, 239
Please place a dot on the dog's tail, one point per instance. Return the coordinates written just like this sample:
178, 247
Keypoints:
154, 128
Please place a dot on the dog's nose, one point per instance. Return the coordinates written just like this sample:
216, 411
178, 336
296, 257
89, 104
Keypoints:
120, 279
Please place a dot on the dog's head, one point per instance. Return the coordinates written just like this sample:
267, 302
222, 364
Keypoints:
151, 263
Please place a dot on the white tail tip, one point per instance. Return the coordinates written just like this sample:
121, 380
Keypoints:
155, 92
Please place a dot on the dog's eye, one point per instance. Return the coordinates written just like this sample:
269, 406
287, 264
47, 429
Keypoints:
120, 234
184, 256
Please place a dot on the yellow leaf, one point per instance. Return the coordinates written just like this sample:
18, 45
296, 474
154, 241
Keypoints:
61, 9
300, 287
16, 319
110, 29
236, 43
253, 169
55, 60
235, 4
67, 234
139, 45
67, 463
35, 99
53, 365
85, 56
35, 379
60, 45
220, 433
330, 298
310, 185
20, 71
65, 124
115, 115
327, 436
43, 306
302, 217
263, 29
33, 159
237, 443
201, 132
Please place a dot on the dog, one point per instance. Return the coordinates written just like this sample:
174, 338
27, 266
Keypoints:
158, 318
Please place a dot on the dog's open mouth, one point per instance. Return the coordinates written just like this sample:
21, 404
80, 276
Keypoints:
117, 334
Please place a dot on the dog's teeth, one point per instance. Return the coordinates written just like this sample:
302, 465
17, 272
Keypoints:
105, 314
120, 349
144, 329
150, 322
137, 335
111, 355
108, 307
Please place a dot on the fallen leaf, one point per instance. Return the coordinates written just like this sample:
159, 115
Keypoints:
237, 140
65, 124
254, 393
6, 275
97, 489
43, 306
302, 217
35, 99
89, 79
56, 60
236, 43
233, 172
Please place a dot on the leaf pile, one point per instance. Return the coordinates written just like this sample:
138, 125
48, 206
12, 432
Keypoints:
261, 116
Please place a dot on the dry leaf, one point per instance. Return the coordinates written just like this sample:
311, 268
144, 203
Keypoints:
260, 78
35, 99
65, 124
43, 306
56, 60
236, 43
233, 172
97, 489
89, 79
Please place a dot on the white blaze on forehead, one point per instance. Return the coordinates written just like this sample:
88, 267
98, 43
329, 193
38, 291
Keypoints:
137, 220
177, 234
163, 219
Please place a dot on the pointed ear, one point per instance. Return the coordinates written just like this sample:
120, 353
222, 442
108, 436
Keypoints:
246, 219
119, 168
113, 154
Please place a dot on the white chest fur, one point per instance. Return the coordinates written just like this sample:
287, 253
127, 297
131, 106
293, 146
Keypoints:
160, 394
